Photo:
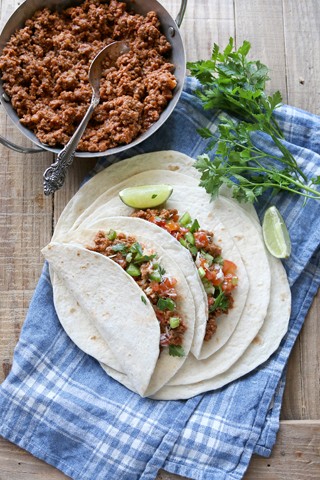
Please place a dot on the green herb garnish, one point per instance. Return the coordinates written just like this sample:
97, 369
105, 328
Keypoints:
143, 299
236, 85
221, 301
195, 226
136, 248
120, 247
166, 304
176, 351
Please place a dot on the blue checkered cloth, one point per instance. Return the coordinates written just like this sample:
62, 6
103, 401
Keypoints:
58, 403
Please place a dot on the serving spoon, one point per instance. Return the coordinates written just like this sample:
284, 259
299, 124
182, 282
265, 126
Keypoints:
54, 176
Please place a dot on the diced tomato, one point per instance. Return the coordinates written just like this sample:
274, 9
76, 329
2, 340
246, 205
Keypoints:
229, 283
170, 282
172, 226
229, 267
158, 221
181, 233
165, 288
212, 277
201, 239
210, 300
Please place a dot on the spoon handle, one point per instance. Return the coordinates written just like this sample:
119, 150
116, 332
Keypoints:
54, 176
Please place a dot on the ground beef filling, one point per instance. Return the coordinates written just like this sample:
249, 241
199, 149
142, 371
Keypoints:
151, 278
217, 274
45, 73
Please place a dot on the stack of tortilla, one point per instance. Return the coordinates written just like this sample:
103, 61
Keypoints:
99, 305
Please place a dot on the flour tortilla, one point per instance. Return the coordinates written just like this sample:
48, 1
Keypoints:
81, 271
81, 324
167, 160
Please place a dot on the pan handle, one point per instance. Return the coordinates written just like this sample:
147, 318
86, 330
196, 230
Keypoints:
17, 148
181, 12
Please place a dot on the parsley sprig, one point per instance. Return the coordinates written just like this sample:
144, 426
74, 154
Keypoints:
236, 85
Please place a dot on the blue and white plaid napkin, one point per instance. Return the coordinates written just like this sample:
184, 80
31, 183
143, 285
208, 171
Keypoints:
58, 403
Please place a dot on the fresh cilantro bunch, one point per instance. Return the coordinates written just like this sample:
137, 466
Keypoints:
236, 85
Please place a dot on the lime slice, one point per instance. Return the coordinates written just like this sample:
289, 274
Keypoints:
275, 233
145, 196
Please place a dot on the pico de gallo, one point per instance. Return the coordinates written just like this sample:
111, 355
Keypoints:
218, 275
151, 277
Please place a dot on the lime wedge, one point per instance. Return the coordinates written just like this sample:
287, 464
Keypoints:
275, 233
145, 196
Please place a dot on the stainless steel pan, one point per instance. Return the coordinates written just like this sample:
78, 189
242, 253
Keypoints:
169, 28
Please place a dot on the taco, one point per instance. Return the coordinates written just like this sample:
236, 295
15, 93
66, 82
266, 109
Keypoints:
108, 323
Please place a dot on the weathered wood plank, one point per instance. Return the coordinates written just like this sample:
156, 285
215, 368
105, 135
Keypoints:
302, 394
261, 22
302, 40
297, 451
284, 35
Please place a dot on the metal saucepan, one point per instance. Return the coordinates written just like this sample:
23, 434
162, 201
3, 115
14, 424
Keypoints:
170, 30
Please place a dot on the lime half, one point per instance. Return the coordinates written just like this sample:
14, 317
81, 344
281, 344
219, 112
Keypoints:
145, 196
275, 233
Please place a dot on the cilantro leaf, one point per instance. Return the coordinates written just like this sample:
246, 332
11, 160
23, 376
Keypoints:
176, 351
236, 85
221, 302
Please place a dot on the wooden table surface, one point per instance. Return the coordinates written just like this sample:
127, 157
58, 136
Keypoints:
285, 35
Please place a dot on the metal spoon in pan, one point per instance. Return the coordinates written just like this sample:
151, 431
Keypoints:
53, 177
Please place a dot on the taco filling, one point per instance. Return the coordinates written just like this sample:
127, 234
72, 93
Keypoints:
152, 279
217, 274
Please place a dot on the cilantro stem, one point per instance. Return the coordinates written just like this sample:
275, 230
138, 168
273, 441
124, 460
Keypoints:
234, 169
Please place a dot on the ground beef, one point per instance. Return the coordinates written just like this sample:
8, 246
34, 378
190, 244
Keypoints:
45, 73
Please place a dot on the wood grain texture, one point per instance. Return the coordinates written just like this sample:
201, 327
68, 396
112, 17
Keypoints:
285, 35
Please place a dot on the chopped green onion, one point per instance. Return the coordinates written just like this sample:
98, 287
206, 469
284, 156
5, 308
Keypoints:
195, 226
176, 351
209, 288
192, 249
218, 260
143, 258
133, 270
112, 235
174, 322
155, 276
143, 299
209, 258
201, 272
183, 242
129, 257
185, 219
190, 238
166, 304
